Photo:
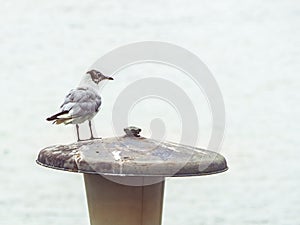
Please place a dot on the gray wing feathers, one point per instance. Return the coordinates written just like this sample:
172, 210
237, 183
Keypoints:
81, 102
98, 103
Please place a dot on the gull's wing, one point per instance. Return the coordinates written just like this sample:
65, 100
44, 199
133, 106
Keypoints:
79, 103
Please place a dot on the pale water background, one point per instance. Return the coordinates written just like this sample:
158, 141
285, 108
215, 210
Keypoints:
252, 48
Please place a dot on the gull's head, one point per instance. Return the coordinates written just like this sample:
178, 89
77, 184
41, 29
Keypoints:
97, 76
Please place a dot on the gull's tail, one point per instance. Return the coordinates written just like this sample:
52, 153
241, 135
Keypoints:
61, 117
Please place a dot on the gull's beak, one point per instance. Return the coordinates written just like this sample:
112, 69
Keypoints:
109, 78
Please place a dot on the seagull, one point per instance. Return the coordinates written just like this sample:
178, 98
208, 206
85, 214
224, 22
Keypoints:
82, 103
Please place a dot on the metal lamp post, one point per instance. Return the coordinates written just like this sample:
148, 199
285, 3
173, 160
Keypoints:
124, 176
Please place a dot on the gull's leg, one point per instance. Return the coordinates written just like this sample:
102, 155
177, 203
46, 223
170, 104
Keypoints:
77, 129
91, 130
90, 125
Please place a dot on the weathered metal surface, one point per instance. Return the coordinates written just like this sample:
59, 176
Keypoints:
132, 155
